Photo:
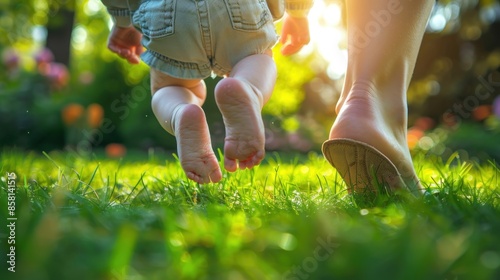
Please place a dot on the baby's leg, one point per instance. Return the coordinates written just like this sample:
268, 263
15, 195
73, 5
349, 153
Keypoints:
240, 98
176, 104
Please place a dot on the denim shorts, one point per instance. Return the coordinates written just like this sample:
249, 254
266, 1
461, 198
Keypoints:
191, 39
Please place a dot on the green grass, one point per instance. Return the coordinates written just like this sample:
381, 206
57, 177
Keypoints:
289, 218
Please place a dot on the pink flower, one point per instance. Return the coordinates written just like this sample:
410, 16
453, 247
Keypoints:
58, 75
496, 107
44, 56
10, 58
298, 142
86, 78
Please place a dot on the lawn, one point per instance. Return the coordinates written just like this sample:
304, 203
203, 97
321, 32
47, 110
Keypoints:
289, 218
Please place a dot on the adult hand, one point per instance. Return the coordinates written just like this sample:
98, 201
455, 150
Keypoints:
126, 42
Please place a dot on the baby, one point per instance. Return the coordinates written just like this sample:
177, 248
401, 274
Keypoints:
186, 42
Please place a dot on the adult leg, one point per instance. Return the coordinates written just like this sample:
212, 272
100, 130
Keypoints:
384, 37
177, 104
240, 98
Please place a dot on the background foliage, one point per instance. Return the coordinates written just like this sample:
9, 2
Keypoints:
50, 103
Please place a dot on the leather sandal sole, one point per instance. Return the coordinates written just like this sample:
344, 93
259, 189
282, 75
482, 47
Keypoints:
361, 166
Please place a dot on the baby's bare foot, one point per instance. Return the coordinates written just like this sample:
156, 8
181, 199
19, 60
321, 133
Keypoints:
240, 106
194, 146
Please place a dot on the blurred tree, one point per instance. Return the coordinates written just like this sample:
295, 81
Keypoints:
60, 28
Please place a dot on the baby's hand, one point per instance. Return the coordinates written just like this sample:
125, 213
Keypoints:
294, 34
126, 42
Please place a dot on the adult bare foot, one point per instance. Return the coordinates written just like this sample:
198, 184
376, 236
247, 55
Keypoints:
240, 106
194, 146
372, 108
363, 117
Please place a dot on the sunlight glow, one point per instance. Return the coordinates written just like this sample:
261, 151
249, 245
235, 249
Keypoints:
79, 37
327, 34
444, 17
39, 34
92, 7
437, 23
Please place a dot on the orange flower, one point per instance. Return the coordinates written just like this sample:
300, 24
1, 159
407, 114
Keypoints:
71, 113
414, 135
95, 114
424, 123
115, 150
482, 112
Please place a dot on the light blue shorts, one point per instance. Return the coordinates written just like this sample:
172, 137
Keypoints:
190, 39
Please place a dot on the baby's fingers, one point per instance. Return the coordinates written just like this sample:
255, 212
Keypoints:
118, 50
290, 48
133, 57
130, 56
